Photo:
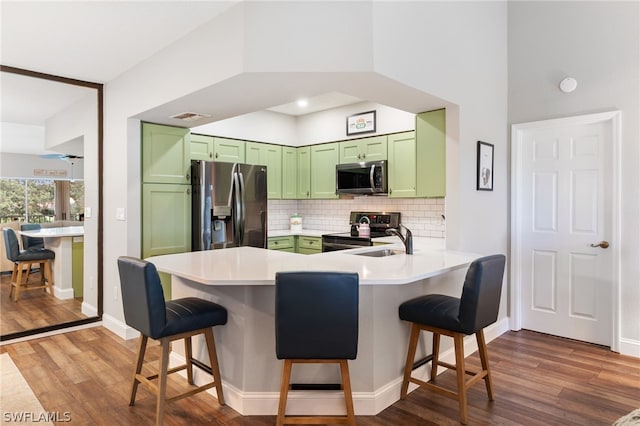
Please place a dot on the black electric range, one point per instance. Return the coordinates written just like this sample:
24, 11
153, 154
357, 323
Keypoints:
379, 222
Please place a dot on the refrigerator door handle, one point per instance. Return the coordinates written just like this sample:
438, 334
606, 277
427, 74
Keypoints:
243, 215
237, 209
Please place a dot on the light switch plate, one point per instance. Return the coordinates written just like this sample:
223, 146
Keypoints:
87, 212
121, 213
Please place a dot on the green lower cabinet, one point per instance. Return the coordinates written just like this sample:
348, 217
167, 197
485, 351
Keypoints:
296, 244
77, 266
282, 243
309, 245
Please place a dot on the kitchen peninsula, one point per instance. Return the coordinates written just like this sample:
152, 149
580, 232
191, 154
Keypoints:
242, 280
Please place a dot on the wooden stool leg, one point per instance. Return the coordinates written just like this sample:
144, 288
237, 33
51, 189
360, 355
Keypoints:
411, 353
346, 386
14, 275
435, 351
162, 381
16, 295
48, 275
284, 390
215, 367
484, 359
458, 339
142, 347
188, 355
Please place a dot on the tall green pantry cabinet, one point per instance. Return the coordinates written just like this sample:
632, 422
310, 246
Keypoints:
166, 193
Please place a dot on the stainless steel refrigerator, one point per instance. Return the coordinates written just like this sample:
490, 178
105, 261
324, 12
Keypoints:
229, 205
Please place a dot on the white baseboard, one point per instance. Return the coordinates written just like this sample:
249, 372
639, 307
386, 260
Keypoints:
331, 402
629, 347
89, 310
62, 293
118, 327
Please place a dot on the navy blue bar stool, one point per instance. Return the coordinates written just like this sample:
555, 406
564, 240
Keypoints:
146, 310
21, 258
456, 317
316, 322
31, 243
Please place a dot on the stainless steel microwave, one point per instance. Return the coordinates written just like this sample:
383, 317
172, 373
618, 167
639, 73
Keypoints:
366, 178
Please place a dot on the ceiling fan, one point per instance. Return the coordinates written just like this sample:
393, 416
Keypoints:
62, 156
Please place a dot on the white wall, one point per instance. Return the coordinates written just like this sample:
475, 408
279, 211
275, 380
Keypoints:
598, 43
457, 51
24, 165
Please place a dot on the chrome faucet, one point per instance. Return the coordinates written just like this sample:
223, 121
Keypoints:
407, 239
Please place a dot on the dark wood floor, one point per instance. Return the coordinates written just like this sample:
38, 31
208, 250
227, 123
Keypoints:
538, 380
34, 308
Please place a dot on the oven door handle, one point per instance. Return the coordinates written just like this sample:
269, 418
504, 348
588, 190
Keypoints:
338, 246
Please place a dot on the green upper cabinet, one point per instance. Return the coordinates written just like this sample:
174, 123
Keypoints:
303, 177
201, 147
365, 149
401, 170
166, 154
271, 156
228, 150
324, 159
431, 153
417, 159
289, 172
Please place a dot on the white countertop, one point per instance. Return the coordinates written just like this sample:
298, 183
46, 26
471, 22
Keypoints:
55, 232
256, 266
304, 232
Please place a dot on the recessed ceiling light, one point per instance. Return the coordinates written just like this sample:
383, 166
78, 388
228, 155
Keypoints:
303, 103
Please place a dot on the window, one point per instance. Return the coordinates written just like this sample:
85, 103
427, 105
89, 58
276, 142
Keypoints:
40, 200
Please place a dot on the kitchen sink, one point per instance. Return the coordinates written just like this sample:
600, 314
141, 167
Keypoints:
380, 253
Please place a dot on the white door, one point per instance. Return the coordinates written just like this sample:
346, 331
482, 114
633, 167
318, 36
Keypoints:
564, 188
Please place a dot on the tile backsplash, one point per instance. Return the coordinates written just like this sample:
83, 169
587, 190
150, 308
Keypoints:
423, 216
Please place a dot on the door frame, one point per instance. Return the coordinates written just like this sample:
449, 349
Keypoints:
517, 133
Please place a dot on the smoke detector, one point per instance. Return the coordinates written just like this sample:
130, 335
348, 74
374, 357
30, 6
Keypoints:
189, 116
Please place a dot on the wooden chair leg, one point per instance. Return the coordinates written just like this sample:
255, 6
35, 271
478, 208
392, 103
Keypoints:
162, 380
484, 359
215, 366
346, 387
188, 355
458, 339
284, 390
435, 351
411, 354
142, 347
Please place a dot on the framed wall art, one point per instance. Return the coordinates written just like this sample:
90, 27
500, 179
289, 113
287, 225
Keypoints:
364, 122
485, 167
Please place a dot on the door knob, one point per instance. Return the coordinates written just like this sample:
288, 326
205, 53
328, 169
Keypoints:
601, 244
